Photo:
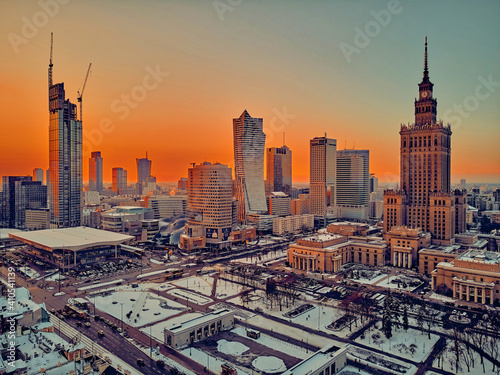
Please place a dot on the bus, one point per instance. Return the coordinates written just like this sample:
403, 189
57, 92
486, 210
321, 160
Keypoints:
173, 273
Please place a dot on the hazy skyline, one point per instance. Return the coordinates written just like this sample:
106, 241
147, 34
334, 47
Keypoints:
168, 77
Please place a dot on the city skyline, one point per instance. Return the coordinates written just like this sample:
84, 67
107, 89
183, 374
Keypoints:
302, 68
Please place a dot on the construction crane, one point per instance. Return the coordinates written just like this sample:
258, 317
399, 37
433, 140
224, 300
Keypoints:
80, 95
50, 63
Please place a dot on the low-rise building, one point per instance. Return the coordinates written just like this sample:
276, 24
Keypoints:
197, 329
405, 243
430, 257
326, 361
473, 276
293, 224
167, 206
37, 219
327, 252
279, 204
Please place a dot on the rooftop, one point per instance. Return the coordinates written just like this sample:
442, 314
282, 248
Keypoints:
199, 320
481, 256
77, 238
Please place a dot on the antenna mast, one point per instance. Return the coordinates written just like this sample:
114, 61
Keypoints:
50, 62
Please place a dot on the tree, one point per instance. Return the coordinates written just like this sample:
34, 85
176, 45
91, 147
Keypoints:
456, 348
405, 318
387, 317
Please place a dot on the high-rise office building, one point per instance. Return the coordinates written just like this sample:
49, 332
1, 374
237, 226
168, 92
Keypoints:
65, 158
323, 171
8, 214
249, 143
29, 195
353, 184
279, 170
143, 169
38, 174
118, 180
373, 183
425, 200
95, 171
209, 204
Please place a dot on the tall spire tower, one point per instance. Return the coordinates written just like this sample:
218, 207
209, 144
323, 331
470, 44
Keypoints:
426, 105
425, 199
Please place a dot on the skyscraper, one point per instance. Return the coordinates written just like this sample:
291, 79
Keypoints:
279, 169
95, 171
143, 169
118, 180
8, 214
209, 203
65, 158
425, 200
353, 183
323, 171
38, 174
29, 195
249, 143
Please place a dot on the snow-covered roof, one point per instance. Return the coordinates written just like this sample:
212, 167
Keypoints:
77, 238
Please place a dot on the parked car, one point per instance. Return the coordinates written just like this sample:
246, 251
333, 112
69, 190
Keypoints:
100, 333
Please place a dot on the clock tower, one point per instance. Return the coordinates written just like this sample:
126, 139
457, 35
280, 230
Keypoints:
425, 105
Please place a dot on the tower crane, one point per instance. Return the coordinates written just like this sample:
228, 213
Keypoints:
80, 95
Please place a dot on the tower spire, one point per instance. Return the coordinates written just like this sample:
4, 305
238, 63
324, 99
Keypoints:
426, 70
50, 61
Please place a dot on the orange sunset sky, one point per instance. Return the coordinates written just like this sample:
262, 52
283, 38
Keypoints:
284, 61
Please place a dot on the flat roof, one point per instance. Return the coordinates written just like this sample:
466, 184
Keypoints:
199, 320
316, 361
481, 256
75, 239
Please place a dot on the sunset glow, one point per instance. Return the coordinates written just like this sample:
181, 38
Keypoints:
168, 77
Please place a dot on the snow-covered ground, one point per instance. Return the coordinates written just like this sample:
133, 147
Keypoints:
55, 277
380, 361
350, 370
156, 330
318, 318
99, 285
199, 284
269, 364
205, 359
296, 333
448, 360
371, 281
227, 289
261, 258
275, 344
231, 347
192, 297
146, 307
386, 283
411, 344
30, 272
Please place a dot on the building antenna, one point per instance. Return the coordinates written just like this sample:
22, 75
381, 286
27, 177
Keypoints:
193, 164
50, 61
283, 138
345, 144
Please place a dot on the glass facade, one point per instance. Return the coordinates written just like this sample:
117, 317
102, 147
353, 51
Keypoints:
249, 144
65, 160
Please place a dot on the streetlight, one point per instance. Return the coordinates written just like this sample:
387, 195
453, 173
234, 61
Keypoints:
121, 305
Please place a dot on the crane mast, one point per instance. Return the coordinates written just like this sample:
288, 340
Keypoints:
80, 95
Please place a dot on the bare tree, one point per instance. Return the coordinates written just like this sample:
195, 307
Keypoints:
456, 348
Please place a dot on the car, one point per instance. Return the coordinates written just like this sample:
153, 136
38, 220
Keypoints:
79, 324
140, 362
87, 324
100, 333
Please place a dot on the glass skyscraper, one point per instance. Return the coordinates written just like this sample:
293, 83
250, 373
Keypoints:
249, 143
95, 171
65, 159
